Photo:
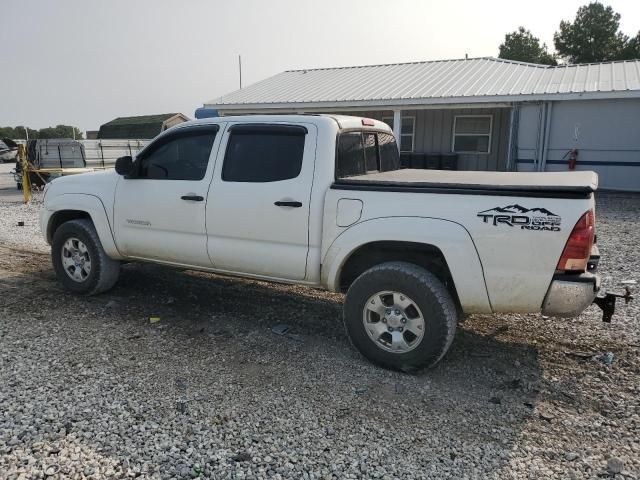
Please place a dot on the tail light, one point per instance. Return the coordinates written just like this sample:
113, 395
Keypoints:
578, 248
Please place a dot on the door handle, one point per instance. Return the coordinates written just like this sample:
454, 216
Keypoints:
195, 198
287, 203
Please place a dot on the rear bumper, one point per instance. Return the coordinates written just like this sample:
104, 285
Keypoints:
569, 295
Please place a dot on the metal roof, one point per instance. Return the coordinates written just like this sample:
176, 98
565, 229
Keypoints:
475, 80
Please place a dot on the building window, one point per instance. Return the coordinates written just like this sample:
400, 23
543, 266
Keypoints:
407, 132
472, 133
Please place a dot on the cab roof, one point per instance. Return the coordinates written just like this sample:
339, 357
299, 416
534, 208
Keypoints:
341, 121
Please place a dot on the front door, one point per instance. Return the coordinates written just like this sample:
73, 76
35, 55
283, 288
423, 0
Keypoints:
258, 208
160, 207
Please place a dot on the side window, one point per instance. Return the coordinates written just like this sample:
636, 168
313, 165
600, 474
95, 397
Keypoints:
389, 155
182, 156
263, 153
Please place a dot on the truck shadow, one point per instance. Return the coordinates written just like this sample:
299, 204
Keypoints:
208, 306
495, 382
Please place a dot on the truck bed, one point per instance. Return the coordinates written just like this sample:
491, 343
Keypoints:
577, 184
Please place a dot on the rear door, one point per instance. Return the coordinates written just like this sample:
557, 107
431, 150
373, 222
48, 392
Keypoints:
160, 208
258, 205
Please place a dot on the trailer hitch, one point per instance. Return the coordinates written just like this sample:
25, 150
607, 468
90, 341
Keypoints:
608, 303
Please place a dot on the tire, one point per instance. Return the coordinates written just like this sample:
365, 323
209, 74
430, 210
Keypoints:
81, 237
423, 316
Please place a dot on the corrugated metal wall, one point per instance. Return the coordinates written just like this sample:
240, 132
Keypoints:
434, 132
605, 132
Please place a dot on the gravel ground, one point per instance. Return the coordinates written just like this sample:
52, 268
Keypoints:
89, 388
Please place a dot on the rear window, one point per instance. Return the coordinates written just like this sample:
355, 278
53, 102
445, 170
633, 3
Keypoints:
360, 153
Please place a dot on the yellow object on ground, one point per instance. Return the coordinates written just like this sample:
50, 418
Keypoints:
27, 168
24, 165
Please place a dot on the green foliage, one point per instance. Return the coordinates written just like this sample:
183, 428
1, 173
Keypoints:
632, 49
17, 133
522, 46
594, 36
59, 131
7, 132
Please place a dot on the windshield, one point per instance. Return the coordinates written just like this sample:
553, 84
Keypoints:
363, 152
9, 143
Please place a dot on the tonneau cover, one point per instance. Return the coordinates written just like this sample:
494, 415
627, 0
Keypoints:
576, 183
550, 179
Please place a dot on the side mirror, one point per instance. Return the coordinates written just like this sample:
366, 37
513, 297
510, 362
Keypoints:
124, 165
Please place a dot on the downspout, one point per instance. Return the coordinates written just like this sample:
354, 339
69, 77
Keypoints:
542, 117
547, 134
513, 138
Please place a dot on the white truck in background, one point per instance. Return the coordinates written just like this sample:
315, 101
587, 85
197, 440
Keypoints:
320, 200
55, 157
66, 153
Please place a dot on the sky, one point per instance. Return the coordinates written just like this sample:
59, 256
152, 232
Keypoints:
85, 62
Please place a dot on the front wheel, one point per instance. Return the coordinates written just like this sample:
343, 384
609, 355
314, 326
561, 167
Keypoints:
400, 316
79, 260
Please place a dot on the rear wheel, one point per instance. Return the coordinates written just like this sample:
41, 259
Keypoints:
79, 260
400, 316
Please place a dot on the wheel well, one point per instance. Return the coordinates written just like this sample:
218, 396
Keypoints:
61, 217
426, 256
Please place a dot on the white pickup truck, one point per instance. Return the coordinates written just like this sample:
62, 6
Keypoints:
320, 200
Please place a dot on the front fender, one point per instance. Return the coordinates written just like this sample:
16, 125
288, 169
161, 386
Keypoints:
451, 238
90, 204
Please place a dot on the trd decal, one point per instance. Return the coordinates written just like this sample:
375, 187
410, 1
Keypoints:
525, 218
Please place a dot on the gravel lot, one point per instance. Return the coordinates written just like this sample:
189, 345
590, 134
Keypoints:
90, 388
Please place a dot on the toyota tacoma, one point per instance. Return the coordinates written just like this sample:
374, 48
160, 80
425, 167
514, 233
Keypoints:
321, 200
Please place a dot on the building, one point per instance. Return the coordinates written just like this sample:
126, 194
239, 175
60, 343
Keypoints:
495, 114
91, 134
141, 127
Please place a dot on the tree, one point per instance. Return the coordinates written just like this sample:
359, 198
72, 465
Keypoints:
632, 48
522, 46
60, 131
592, 37
17, 133
7, 132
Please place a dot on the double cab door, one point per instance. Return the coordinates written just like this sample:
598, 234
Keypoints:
231, 197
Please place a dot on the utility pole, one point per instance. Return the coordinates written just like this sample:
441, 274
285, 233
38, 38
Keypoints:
26, 132
240, 69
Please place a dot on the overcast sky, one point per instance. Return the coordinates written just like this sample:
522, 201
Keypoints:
85, 62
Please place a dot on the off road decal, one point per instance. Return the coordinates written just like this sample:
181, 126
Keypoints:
525, 218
